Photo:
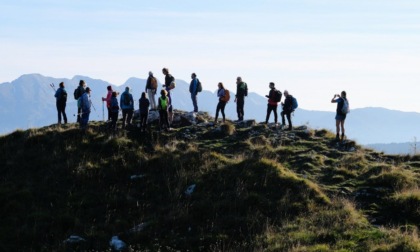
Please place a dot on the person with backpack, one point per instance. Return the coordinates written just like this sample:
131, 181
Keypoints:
287, 110
274, 97
127, 106
151, 86
108, 101
241, 92
85, 105
169, 85
144, 111
342, 110
114, 108
224, 96
163, 105
61, 100
194, 89
78, 92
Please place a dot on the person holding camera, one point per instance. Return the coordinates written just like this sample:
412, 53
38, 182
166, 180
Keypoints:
340, 117
169, 85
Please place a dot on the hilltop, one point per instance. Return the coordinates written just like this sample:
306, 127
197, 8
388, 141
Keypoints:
204, 187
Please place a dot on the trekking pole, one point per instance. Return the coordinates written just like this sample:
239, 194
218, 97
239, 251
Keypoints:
103, 113
53, 87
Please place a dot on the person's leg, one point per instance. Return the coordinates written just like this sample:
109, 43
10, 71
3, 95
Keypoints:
283, 121
223, 110
337, 129
124, 112
109, 113
342, 129
217, 111
129, 116
58, 112
194, 100
79, 115
267, 117
289, 119
240, 108
165, 115
275, 113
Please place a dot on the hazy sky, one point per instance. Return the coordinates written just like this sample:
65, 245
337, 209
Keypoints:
313, 48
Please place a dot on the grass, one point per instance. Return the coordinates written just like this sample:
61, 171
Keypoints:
256, 189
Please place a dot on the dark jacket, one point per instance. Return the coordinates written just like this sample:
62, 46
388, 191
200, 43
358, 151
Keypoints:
149, 83
241, 90
144, 105
288, 104
114, 105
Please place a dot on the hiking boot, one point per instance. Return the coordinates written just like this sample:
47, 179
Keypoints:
337, 137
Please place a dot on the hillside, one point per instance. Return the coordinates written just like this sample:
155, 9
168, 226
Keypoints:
204, 187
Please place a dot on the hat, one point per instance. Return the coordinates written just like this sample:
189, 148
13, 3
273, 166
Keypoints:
88, 89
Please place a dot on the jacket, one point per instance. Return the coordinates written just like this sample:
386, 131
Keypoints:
114, 105
144, 105
241, 90
130, 103
85, 103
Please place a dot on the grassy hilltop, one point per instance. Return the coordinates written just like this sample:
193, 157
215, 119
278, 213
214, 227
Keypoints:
257, 188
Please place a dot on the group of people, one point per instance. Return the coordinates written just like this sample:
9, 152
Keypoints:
165, 108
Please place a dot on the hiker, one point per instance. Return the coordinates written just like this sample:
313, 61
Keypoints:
163, 105
85, 104
144, 111
151, 86
273, 98
222, 101
241, 92
114, 109
61, 97
127, 106
77, 94
169, 85
287, 110
340, 117
108, 101
194, 90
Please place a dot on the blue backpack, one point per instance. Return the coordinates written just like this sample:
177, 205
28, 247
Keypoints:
294, 103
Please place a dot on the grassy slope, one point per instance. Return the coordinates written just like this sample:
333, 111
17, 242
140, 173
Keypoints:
256, 189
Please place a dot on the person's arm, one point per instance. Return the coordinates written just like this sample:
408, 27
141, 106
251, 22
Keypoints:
333, 100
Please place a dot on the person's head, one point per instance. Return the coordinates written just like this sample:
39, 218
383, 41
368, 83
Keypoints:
238, 79
114, 94
163, 92
165, 71
87, 90
61, 84
150, 73
193, 75
272, 85
143, 95
109, 88
286, 93
127, 89
220, 85
343, 94
82, 83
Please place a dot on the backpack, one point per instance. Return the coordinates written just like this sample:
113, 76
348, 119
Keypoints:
346, 107
127, 101
199, 86
294, 103
163, 103
77, 93
63, 96
153, 83
226, 97
245, 88
277, 95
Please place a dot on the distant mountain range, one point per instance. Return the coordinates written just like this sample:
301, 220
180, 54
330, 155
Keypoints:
29, 102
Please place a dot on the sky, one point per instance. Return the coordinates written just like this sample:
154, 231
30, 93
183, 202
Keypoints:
312, 48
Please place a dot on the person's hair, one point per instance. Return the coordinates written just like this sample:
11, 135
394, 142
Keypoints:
114, 94
61, 84
193, 74
272, 83
286, 92
109, 88
221, 85
165, 70
343, 94
143, 95
239, 78
163, 92
81, 83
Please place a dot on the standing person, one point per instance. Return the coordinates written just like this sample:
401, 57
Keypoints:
144, 111
340, 117
169, 85
194, 90
80, 90
241, 92
151, 86
127, 106
163, 105
114, 109
61, 100
273, 98
85, 105
221, 93
287, 110
108, 101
